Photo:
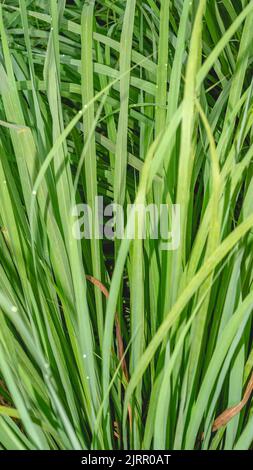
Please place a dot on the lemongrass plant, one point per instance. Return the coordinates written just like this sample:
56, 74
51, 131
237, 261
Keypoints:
120, 344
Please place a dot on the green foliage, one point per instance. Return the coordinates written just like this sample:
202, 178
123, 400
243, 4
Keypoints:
141, 101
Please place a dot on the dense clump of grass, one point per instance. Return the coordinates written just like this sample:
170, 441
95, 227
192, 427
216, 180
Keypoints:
134, 100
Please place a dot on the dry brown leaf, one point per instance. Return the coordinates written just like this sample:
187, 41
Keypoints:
103, 289
228, 414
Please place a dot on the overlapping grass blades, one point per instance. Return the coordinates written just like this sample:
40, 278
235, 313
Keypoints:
141, 101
